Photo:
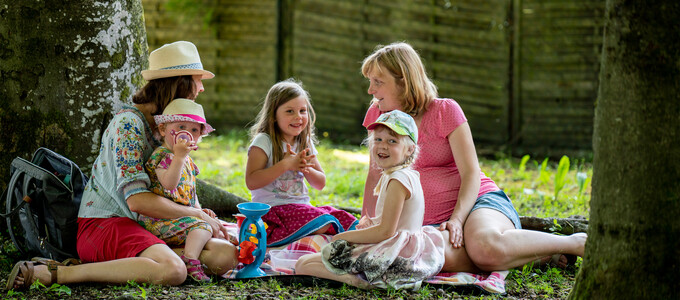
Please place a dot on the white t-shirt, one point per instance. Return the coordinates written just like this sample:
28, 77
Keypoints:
290, 187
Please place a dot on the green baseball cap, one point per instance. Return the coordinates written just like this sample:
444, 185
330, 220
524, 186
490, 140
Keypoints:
399, 121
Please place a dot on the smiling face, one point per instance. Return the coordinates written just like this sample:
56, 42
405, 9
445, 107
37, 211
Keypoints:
292, 118
388, 149
386, 90
168, 128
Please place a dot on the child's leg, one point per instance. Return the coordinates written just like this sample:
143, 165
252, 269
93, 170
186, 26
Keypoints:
196, 240
311, 264
323, 229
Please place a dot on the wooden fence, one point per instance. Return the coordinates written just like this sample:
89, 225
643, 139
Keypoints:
524, 71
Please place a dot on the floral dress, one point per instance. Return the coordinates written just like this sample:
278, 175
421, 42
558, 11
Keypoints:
173, 231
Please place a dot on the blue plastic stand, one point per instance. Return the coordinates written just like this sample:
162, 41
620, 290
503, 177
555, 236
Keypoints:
253, 212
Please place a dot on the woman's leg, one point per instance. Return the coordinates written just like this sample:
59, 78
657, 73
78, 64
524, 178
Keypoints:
158, 264
311, 264
456, 259
493, 243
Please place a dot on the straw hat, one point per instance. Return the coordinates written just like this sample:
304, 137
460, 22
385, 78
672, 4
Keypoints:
184, 110
175, 59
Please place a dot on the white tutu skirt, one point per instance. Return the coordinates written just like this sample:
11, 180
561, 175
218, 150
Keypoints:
401, 262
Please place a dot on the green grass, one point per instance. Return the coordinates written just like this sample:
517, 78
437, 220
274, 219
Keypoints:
537, 187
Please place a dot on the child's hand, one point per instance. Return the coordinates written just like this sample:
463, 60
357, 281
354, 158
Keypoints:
183, 147
298, 161
364, 222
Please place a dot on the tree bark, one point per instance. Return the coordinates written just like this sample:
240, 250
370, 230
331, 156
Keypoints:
633, 250
220, 201
65, 66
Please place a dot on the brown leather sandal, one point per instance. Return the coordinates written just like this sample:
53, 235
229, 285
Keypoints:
66, 262
25, 269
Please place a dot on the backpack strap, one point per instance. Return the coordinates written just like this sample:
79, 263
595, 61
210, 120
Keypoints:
8, 195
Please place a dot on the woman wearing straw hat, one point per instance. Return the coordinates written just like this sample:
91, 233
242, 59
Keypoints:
114, 246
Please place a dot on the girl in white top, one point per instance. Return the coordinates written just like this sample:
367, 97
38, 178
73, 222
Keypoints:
281, 157
392, 249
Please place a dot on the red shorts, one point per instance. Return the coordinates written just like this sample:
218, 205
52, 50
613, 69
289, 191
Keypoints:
103, 239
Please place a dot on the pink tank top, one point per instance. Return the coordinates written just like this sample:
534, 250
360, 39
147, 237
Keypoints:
438, 171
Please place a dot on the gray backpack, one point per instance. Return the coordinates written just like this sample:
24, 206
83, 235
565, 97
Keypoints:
42, 201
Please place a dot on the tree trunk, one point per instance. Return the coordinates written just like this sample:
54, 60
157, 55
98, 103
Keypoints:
633, 250
220, 201
65, 66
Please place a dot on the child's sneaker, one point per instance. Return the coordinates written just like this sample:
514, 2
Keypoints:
195, 270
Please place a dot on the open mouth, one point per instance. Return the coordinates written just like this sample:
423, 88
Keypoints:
383, 155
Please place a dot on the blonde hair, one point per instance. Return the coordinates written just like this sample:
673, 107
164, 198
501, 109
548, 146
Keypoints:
404, 64
279, 94
403, 139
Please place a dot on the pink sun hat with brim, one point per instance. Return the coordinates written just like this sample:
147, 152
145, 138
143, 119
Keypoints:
184, 110
175, 59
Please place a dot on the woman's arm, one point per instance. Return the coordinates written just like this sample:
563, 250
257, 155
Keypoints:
464, 154
395, 198
155, 206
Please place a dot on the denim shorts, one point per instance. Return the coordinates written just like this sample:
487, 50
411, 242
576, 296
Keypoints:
499, 201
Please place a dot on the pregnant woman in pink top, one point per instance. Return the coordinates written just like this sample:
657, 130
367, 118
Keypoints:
472, 213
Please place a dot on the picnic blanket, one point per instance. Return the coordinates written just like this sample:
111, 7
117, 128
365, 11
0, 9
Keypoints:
487, 283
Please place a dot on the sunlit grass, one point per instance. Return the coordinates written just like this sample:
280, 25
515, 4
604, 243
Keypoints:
529, 182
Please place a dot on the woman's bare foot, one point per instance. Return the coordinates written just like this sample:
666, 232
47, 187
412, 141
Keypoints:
39, 272
42, 273
580, 239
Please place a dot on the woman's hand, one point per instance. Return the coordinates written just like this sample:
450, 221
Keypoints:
219, 231
210, 212
455, 229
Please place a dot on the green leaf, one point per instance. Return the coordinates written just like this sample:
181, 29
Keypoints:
561, 176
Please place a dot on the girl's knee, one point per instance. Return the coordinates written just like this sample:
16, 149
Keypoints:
323, 229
